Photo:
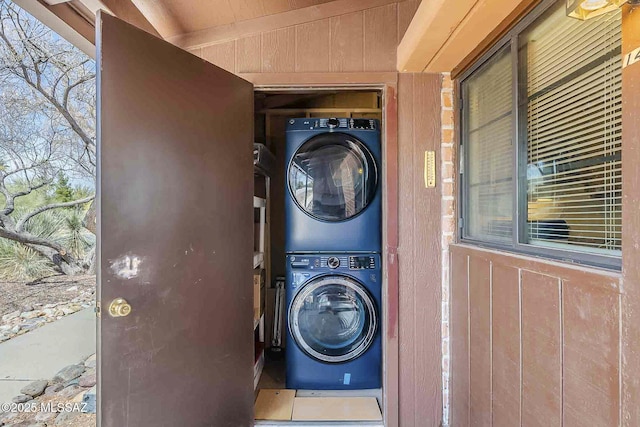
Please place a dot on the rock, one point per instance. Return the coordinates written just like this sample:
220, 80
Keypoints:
5, 328
3, 337
87, 380
49, 312
7, 416
37, 425
66, 418
70, 391
72, 382
15, 329
52, 389
90, 362
21, 398
45, 416
34, 389
27, 307
11, 316
69, 373
31, 314
72, 289
49, 306
67, 310
90, 400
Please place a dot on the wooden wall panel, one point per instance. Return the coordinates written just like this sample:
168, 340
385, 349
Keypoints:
313, 46
459, 336
248, 54
419, 254
380, 38
541, 350
506, 346
630, 220
357, 41
221, 54
554, 337
591, 355
406, 254
278, 51
480, 346
347, 34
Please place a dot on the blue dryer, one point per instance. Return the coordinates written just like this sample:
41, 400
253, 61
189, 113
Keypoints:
334, 322
333, 198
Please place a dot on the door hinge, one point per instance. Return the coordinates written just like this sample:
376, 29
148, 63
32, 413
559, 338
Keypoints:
461, 165
97, 309
461, 103
461, 222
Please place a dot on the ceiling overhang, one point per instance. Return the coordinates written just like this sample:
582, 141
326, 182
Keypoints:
443, 36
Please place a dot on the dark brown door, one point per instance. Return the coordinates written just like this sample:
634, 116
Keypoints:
175, 190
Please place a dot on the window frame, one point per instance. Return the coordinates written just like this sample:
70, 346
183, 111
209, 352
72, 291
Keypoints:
520, 203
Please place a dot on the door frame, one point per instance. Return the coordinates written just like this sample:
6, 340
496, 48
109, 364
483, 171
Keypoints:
387, 84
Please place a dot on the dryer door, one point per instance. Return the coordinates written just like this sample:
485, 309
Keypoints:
333, 319
333, 177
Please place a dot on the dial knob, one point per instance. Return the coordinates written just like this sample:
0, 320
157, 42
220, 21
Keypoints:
333, 262
333, 122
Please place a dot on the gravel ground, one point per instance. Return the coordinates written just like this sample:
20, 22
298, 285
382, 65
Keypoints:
49, 290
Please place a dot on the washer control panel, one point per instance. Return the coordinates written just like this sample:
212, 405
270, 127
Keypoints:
362, 262
333, 124
334, 262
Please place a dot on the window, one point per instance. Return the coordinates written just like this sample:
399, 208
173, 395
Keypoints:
541, 139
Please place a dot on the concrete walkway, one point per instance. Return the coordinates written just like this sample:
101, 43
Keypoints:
41, 353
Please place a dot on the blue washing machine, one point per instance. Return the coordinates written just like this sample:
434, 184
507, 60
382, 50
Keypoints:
334, 322
333, 199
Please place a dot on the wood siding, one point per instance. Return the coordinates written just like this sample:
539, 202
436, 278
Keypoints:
630, 220
362, 41
534, 342
419, 250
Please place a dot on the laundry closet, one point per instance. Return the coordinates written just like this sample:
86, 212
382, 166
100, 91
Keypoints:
318, 277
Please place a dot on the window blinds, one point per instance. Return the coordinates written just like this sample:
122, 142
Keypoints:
488, 137
573, 121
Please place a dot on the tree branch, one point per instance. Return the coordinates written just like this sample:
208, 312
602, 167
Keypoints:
39, 210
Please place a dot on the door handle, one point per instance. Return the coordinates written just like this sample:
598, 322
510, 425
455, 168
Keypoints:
119, 307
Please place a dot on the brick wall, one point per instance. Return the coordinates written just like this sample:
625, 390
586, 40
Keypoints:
447, 175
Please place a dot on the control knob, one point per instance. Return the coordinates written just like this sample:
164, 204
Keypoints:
333, 262
333, 123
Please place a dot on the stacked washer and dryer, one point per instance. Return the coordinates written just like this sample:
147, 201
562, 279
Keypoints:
333, 244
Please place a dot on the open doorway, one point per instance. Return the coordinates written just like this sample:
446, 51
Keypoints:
318, 281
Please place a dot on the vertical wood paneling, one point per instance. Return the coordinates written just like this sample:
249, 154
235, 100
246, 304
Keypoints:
406, 10
248, 54
459, 336
354, 42
427, 255
406, 257
541, 351
312, 46
506, 346
591, 354
631, 221
419, 254
278, 51
222, 54
380, 38
480, 341
347, 36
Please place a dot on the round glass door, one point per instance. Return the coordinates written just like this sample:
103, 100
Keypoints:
333, 177
333, 319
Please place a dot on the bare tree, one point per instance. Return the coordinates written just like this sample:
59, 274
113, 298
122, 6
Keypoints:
47, 124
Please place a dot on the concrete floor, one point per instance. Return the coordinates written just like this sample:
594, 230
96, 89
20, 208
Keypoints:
41, 353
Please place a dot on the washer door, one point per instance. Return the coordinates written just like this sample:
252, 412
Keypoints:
333, 177
333, 319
